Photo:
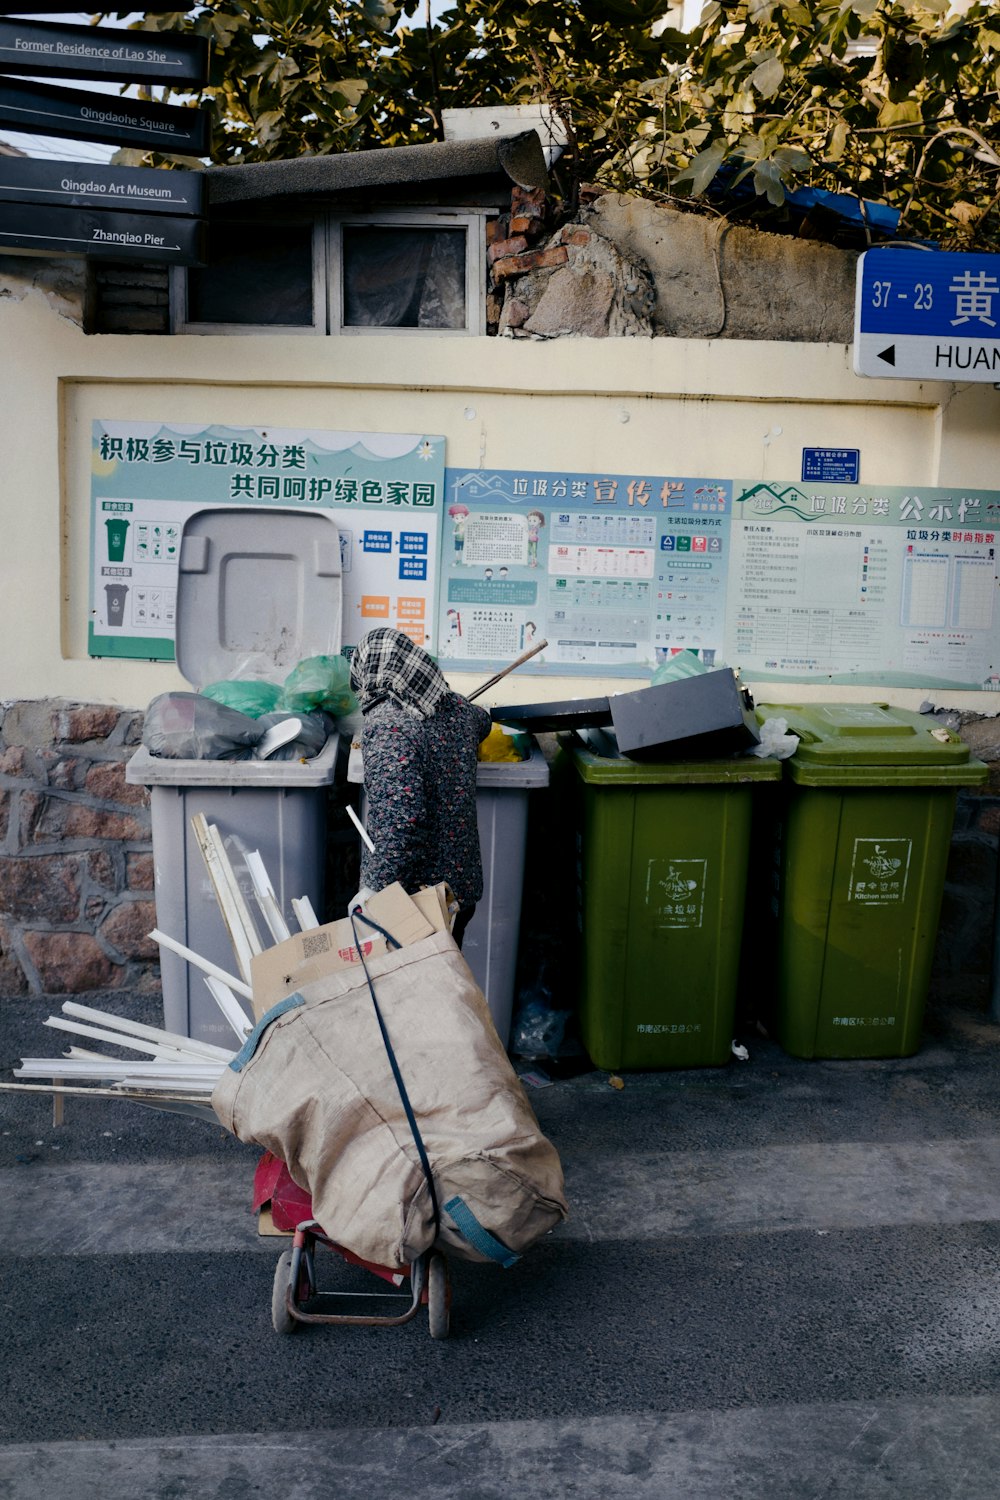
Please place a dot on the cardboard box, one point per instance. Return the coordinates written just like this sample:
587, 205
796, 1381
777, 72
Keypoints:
703, 716
286, 967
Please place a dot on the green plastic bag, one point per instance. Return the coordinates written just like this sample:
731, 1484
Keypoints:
248, 696
319, 682
684, 664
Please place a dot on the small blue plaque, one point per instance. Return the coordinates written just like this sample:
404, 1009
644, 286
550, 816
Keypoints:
831, 465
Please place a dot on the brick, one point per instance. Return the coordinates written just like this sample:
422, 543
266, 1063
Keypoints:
70, 963
67, 772
106, 780
41, 819
102, 869
497, 229
127, 929
575, 234
523, 200
139, 874
133, 730
81, 723
94, 823
43, 888
534, 260
500, 249
13, 980
528, 224
29, 723
15, 761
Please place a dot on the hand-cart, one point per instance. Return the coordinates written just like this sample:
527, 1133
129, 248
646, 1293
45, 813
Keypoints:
296, 1296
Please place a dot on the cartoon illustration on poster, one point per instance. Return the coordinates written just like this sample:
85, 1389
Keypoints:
148, 477
893, 586
614, 571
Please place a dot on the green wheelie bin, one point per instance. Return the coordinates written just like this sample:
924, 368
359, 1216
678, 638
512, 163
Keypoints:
861, 848
662, 851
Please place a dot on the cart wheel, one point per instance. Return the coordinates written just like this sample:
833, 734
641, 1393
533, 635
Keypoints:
438, 1296
281, 1318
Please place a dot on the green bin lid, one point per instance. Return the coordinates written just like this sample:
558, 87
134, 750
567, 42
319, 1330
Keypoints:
613, 769
871, 744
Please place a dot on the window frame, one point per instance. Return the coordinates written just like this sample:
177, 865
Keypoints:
328, 295
474, 225
179, 322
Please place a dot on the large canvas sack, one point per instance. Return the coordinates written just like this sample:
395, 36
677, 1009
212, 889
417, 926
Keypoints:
314, 1086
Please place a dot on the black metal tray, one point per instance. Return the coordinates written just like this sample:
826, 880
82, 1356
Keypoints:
571, 713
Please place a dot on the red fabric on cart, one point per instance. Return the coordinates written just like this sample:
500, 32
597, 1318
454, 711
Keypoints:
291, 1205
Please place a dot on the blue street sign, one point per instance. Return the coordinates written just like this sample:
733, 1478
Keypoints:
927, 315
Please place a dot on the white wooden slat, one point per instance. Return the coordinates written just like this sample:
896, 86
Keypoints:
231, 1008
185, 1044
266, 900
119, 1038
235, 913
304, 914
204, 964
112, 1067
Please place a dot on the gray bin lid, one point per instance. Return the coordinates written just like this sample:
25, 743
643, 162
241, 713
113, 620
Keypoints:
258, 590
236, 775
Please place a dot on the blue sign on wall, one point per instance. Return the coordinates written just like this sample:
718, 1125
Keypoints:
927, 315
831, 465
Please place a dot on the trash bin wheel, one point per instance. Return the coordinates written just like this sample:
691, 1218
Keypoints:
281, 1318
438, 1297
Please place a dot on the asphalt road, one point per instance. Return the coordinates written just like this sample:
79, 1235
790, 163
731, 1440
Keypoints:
779, 1278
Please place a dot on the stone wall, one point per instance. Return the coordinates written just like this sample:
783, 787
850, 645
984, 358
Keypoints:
76, 864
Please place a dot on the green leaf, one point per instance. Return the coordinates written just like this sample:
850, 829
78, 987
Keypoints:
905, 112
767, 183
701, 171
767, 77
838, 141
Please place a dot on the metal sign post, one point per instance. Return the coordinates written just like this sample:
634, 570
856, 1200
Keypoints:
39, 48
46, 110
111, 236
927, 315
68, 184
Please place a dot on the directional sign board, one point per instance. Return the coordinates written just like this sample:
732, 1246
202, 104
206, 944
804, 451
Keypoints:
45, 110
927, 315
39, 48
69, 184
58, 7
111, 236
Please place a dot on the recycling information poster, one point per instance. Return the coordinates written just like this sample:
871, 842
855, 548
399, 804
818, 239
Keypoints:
147, 478
788, 581
890, 586
612, 570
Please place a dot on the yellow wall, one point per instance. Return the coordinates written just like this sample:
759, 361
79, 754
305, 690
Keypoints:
723, 407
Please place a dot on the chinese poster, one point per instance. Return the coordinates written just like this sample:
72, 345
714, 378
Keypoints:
147, 478
892, 586
614, 571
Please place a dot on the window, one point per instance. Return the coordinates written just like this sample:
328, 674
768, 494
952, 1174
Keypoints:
411, 271
260, 276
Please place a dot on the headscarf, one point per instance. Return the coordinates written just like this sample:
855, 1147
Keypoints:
388, 665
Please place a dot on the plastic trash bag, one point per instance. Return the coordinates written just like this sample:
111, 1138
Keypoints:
312, 736
248, 696
500, 745
189, 726
684, 664
775, 741
318, 682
